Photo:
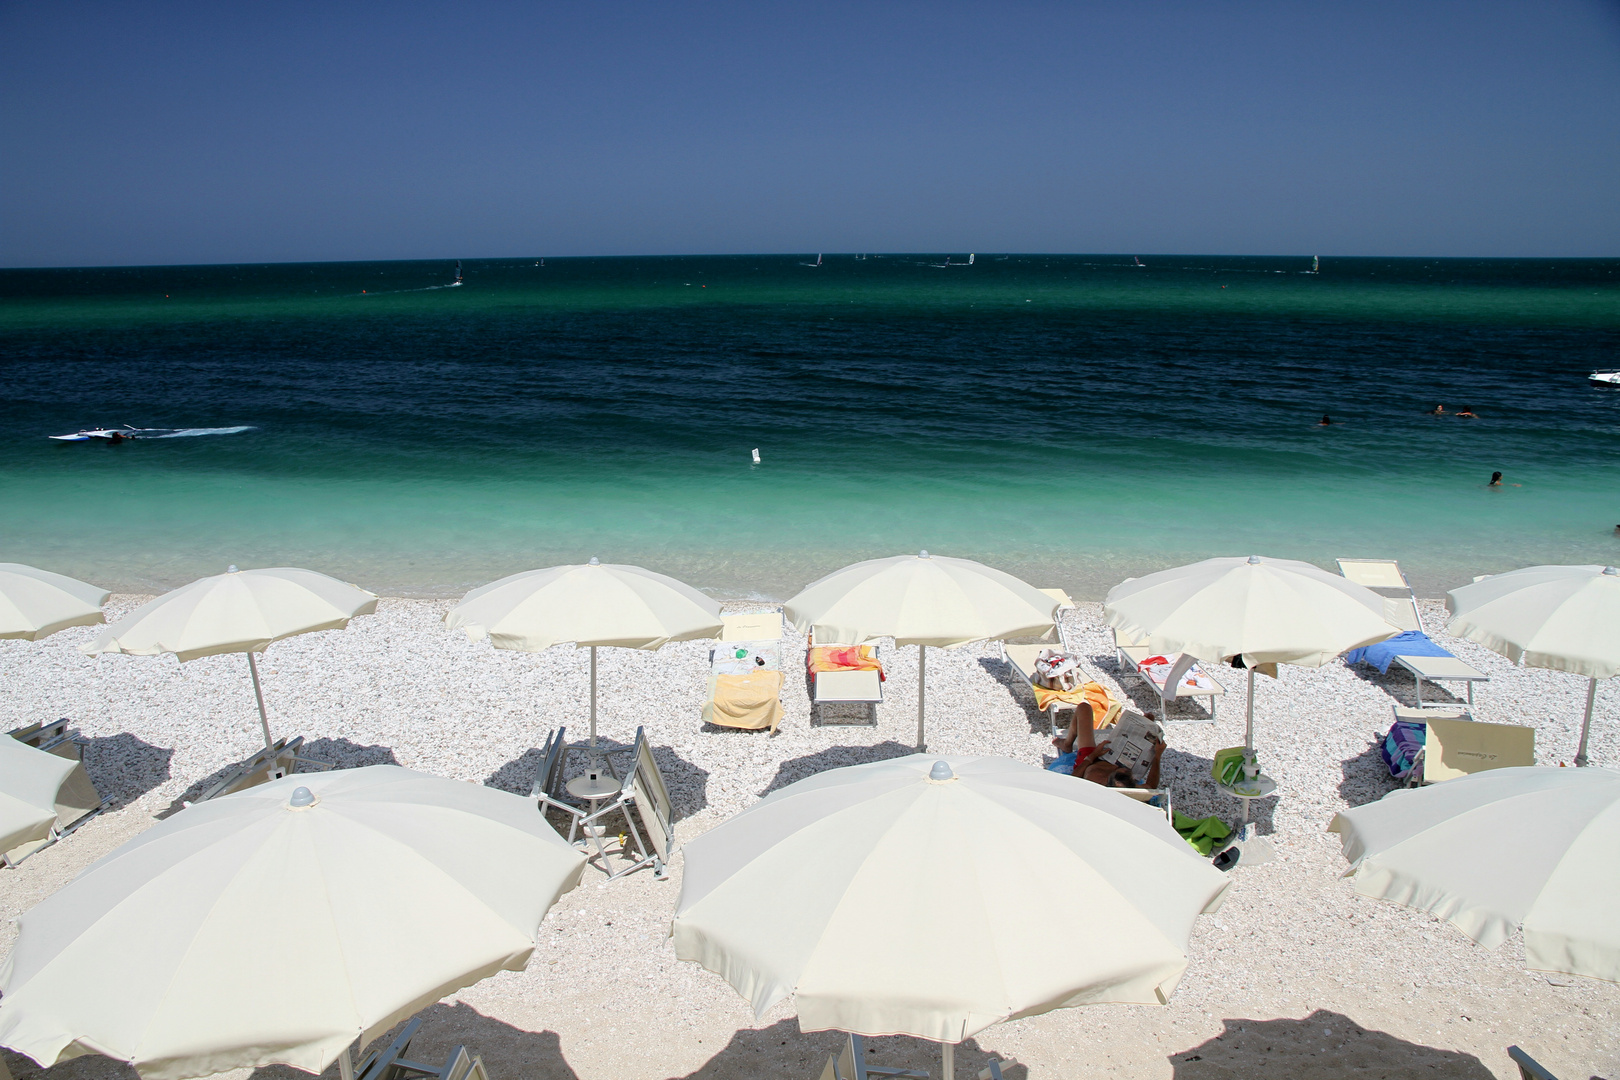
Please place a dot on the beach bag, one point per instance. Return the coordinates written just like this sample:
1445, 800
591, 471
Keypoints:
1227, 768
1401, 747
1057, 670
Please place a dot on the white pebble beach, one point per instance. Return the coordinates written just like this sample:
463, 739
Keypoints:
1294, 977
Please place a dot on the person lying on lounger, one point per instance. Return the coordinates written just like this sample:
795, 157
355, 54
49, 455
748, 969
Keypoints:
1079, 754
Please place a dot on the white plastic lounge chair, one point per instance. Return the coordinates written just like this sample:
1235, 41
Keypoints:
1384, 577
76, 800
644, 792
749, 645
1022, 658
390, 1062
1170, 684
843, 687
1440, 669
1455, 744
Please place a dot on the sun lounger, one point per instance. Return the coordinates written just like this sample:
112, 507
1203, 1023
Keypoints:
1183, 678
1022, 658
843, 687
1441, 669
1455, 744
1384, 577
390, 1062
75, 799
745, 674
1529, 1067
850, 1064
1414, 651
643, 796
1159, 798
272, 763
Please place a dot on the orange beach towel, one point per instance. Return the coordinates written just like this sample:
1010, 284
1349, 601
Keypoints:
844, 658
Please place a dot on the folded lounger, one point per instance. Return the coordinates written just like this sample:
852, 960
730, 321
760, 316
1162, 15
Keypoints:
1455, 744
1414, 651
1384, 577
1171, 677
390, 1063
843, 675
1022, 658
745, 673
44, 791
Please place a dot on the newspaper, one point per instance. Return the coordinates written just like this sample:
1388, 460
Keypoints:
1130, 743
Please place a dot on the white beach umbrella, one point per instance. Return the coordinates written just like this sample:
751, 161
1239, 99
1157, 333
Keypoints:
589, 605
898, 897
1536, 848
237, 611
1566, 618
278, 924
36, 603
920, 600
29, 782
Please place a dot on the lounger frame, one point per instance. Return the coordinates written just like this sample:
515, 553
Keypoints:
77, 800
390, 1062
868, 683
1128, 656
275, 761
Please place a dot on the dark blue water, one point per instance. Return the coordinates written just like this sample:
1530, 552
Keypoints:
1074, 420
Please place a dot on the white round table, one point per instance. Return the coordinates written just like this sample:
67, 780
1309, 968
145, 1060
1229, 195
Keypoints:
1252, 849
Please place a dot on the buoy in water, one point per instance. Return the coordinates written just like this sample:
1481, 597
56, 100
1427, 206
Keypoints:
756, 455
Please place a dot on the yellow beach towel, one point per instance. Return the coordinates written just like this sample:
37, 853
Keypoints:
751, 702
1104, 709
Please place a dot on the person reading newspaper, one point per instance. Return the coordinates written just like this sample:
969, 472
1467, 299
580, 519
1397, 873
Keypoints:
1116, 760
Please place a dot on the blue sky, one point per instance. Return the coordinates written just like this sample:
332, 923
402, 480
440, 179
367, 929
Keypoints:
191, 132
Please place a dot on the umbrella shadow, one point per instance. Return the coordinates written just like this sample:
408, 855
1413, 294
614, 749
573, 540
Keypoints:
1366, 777
1196, 794
1321, 1045
88, 1067
834, 757
783, 1050
509, 1052
339, 753
123, 767
1017, 688
518, 775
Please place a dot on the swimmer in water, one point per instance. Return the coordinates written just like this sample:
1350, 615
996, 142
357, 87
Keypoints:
1325, 421
1496, 480
1438, 410
1465, 411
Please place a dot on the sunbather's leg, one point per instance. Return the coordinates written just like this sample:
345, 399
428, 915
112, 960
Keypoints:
1081, 734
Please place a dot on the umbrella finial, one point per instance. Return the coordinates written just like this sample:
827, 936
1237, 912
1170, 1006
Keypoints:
1610, 570
923, 554
1254, 560
595, 561
941, 771
301, 797
231, 569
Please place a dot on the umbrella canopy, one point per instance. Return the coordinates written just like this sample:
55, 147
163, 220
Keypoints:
278, 924
1536, 848
29, 781
591, 604
895, 897
1268, 611
920, 600
36, 603
1566, 618
237, 611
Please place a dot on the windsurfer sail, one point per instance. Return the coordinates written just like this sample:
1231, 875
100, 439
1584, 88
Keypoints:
458, 274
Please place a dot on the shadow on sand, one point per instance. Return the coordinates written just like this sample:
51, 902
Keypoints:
1322, 1046
688, 785
1004, 673
123, 767
339, 753
834, 757
1366, 778
782, 1050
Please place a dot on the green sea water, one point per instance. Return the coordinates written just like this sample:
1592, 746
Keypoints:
1074, 420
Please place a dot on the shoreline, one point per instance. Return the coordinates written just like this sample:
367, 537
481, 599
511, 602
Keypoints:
1294, 975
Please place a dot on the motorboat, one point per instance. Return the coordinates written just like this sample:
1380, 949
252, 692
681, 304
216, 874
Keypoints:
1606, 377
117, 434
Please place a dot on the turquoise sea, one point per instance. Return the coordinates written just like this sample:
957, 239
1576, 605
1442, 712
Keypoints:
1075, 419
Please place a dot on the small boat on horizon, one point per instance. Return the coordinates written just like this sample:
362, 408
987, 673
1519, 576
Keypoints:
1605, 377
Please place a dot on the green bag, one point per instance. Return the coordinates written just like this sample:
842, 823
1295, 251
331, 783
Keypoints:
1228, 766
1202, 833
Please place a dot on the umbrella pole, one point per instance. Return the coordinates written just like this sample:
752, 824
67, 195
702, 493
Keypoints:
1591, 692
922, 697
1248, 726
947, 1052
593, 697
264, 720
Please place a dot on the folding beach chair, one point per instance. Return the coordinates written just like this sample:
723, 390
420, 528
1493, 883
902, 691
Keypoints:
1384, 577
1022, 658
272, 763
843, 687
548, 782
642, 796
1455, 744
76, 799
745, 673
390, 1062
1170, 684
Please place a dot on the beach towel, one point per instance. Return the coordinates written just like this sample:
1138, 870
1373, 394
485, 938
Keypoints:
1400, 748
1407, 643
1158, 669
751, 702
1103, 711
1065, 762
844, 658
1202, 833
